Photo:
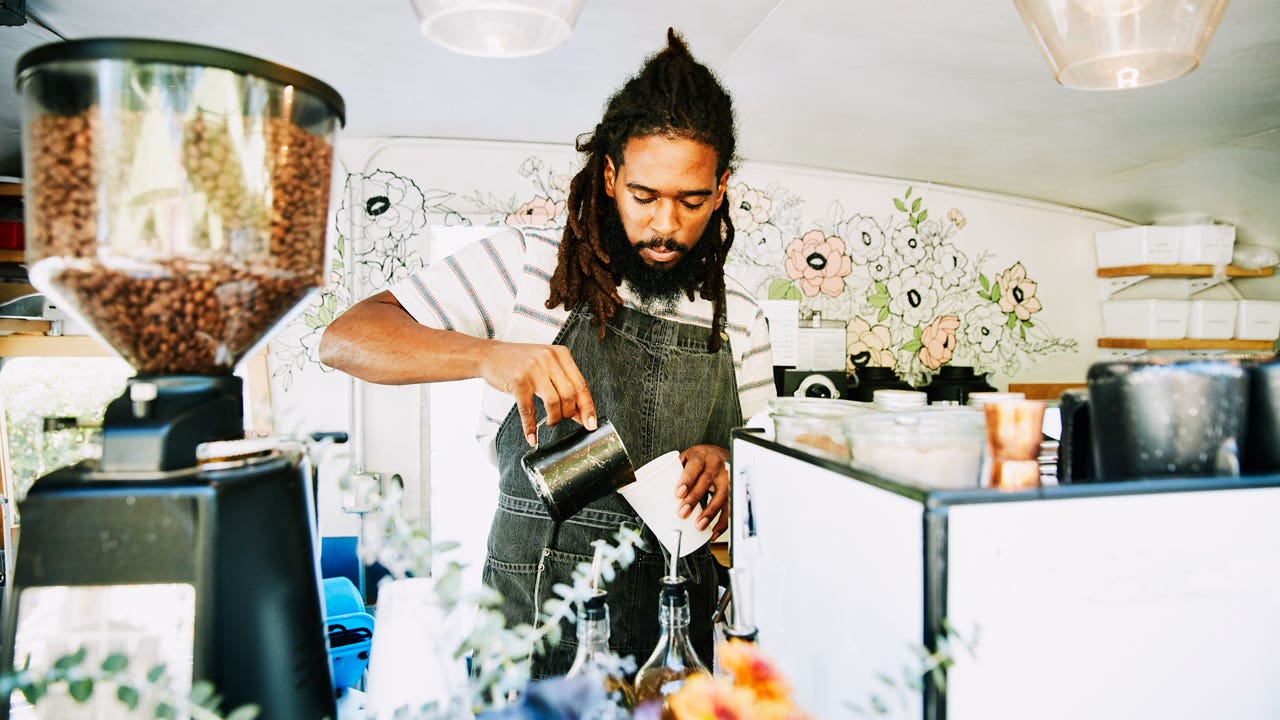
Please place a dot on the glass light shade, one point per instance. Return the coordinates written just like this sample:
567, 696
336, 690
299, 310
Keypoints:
498, 28
1119, 44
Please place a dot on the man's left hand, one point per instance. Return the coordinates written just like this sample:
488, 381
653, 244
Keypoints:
705, 473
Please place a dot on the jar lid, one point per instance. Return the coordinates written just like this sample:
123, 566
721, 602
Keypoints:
169, 52
896, 399
982, 398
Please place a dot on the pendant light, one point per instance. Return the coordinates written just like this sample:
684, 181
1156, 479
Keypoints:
498, 28
1120, 44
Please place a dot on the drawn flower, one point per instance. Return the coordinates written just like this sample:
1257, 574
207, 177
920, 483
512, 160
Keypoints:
1018, 292
983, 326
865, 240
948, 265
818, 262
539, 212
909, 247
868, 346
531, 166
938, 341
880, 268
749, 208
912, 296
390, 205
957, 218
560, 182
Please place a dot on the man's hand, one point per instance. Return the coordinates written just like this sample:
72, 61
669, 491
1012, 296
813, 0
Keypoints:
705, 473
548, 371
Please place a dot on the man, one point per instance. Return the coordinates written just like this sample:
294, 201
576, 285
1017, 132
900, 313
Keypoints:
626, 316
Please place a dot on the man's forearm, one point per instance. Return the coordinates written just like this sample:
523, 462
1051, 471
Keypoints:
378, 341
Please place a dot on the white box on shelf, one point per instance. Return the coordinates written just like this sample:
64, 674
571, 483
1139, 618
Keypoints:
1207, 244
1257, 320
1149, 319
1212, 319
1140, 245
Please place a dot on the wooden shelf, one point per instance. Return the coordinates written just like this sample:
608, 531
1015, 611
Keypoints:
51, 346
16, 256
10, 189
1186, 344
1181, 271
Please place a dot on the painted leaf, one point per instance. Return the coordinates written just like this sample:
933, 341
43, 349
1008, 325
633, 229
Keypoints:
986, 284
912, 346
778, 288
995, 292
882, 289
884, 313
898, 204
793, 293
340, 245
924, 214
917, 331
909, 189
915, 205
1028, 323
878, 300
1022, 329
1013, 320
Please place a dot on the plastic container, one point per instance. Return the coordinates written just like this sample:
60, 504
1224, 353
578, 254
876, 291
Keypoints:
176, 195
1257, 319
1140, 245
1212, 319
815, 425
1165, 319
1207, 244
939, 449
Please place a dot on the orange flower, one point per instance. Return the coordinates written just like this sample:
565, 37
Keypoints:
753, 690
712, 698
751, 670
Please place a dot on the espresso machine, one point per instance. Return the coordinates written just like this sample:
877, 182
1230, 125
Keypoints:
176, 205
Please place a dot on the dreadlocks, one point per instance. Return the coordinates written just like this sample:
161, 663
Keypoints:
674, 96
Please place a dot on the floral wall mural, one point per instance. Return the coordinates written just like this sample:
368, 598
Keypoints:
898, 272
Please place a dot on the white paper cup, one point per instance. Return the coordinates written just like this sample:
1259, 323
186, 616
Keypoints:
653, 495
411, 660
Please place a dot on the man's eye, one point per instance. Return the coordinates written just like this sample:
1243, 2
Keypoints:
693, 206
644, 201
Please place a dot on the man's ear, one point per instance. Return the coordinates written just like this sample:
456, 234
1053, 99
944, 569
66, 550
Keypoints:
720, 190
610, 175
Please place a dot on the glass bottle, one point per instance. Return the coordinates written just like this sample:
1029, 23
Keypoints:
673, 661
595, 659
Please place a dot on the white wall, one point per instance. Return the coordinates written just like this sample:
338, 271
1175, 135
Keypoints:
455, 183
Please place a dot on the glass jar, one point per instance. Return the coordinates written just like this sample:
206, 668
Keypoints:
890, 400
953, 384
177, 194
930, 448
814, 425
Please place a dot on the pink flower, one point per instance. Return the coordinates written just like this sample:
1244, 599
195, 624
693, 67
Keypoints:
1018, 293
818, 262
868, 346
538, 212
939, 341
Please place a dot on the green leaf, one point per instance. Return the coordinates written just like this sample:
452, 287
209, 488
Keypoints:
918, 331
1022, 330
1013, 320
898, 204
915, 223
32, 691
80, 689
924, 214
986, 284
165, 711
66, 662
995, 292
244, 712
909, 189
912, 345
1028, 323
128, 696
115, 662
878, 300
884, 313
155, 673
201, 691
793, 293
915, 205
312, 321
340, 246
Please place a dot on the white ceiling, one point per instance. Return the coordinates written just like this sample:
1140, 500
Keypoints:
930, 90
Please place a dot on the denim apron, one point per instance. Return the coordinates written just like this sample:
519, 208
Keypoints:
654, 379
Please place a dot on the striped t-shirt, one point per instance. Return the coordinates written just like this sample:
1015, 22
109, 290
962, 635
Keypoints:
497, 288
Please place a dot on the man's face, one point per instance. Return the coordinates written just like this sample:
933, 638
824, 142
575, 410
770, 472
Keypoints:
665, 191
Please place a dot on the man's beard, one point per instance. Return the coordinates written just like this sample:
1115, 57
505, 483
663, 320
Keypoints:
658, 284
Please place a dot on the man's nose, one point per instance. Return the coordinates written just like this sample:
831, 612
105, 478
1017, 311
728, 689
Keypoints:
665, 219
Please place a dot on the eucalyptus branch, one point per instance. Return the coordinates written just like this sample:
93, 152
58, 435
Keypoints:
80, 680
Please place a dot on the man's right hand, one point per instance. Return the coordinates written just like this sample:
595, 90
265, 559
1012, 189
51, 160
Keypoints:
525, 370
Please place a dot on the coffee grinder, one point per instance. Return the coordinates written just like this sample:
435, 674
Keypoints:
176, 204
